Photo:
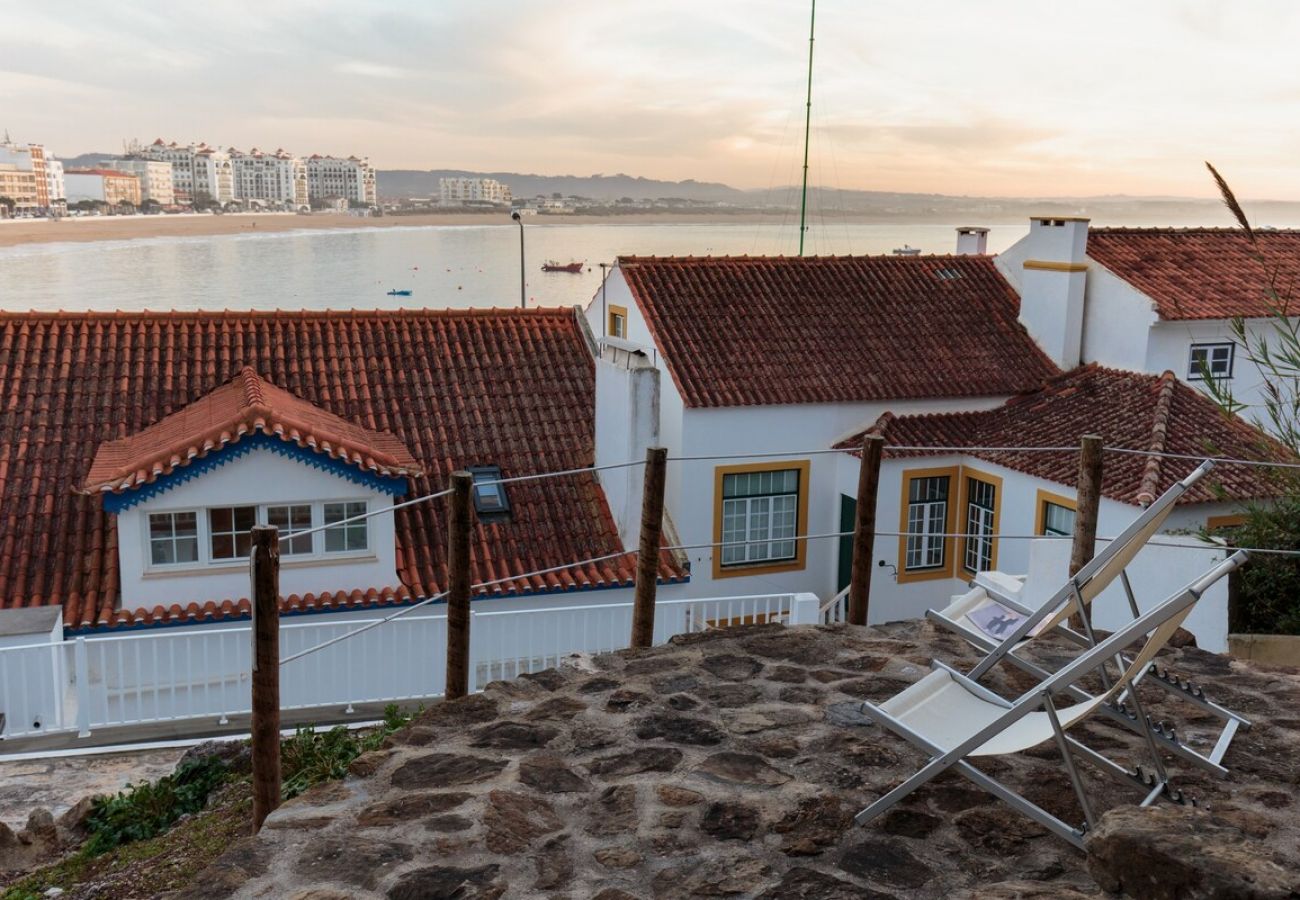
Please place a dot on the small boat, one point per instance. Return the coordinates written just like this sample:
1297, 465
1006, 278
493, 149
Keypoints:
401, 293
907, 250
552, 266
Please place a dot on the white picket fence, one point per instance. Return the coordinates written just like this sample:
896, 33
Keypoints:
195, 679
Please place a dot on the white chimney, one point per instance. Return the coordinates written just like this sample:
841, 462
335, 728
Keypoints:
627, 422
1052, 289
972, 241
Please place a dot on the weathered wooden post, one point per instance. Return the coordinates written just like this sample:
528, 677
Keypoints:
265, 570
864, 529
647, 561
1087, 505
459, 525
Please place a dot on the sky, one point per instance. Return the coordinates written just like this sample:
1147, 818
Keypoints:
999, 98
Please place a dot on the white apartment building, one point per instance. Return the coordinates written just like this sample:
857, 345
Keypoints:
197, 169
22, 175
276, 178
54, 185
155, 178
329, 177
459, 191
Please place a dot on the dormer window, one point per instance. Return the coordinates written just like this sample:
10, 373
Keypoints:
490, 499
173, 538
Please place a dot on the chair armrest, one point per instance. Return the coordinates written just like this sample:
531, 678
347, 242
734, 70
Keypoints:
973, 686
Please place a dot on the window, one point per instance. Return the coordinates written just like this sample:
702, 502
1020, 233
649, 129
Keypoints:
617, 321
173, 538
228, 527
349, 537
927, 518
759, 514
490, 499
1214, 359
291, 519
981, 511
1054, 515
1057, 520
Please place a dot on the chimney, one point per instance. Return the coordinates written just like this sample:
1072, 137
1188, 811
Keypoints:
972, 241
627, 422
1052, 289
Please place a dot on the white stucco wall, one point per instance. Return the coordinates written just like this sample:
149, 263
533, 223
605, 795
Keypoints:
1018, 508
627, 422
1117, 322
257, 478
1170, 348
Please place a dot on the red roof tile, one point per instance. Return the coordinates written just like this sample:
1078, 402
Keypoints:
1200, 273
747, 331
1128, 409
507, 387
246, 405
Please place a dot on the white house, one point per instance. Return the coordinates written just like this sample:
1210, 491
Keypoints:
925, 495
720, 359
1150, 299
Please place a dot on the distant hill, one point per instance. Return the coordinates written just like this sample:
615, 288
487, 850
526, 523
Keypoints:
86, 160
416, 183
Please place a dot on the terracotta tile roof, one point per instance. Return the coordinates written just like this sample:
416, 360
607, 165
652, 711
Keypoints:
1128, 409
747, 331
246, 405
1200, 273
507, 387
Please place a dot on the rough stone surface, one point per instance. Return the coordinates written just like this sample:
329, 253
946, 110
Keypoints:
1165, 853
543, 788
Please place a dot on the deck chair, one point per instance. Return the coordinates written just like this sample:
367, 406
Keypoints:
953, 718
993, 618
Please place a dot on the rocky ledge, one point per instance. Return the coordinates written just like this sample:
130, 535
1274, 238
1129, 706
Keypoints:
730, 764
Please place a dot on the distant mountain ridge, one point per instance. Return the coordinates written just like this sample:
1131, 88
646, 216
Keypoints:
422, 183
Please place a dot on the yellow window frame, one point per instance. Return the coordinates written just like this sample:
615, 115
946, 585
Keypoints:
954, 491
1041, 499
616, 311
799, 562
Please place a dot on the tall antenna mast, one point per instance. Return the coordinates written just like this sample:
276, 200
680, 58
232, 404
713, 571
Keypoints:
807, 122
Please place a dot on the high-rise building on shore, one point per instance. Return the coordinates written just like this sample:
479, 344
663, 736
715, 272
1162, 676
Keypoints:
460, 191
199, 172
54, 183
331, 177
102, 185
276, 178
155, 178
23, 176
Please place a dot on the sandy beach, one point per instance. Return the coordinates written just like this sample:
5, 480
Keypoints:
14, 232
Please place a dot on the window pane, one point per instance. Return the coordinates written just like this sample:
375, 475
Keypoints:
351, 536
160, 552
245, 517
221, 519
760, 509
927, 520
187, 550
290, 519
223, 546
185, 523
160, 525
1057, 519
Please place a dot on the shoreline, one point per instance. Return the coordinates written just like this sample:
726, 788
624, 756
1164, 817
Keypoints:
20, 232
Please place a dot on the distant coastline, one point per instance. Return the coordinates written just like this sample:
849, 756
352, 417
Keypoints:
17, 232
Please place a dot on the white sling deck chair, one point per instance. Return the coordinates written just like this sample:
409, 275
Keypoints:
952, 718
993, 600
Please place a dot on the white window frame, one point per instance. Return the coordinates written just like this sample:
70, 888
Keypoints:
149, 539
1210, 347
927, 520
752, 517
205, 561
978, 554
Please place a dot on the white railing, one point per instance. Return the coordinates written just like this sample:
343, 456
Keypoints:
192, 679
835, 610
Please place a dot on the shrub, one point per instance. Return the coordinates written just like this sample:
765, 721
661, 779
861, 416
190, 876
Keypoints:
311, 757
144, 810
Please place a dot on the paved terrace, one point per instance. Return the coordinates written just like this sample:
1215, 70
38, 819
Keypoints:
730, 764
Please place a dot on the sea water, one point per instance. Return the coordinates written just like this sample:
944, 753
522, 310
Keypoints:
442, 266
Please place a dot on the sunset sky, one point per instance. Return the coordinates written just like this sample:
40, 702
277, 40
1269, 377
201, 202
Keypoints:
1011, 97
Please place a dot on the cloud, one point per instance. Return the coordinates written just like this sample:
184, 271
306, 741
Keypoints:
1109, 95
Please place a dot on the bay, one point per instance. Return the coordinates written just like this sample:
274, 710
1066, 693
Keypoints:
443, 266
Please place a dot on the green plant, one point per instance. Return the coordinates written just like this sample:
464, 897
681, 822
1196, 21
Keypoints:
1267, 595
147, 809
311, 757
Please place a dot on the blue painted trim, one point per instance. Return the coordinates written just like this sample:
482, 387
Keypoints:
117, 502
296, 613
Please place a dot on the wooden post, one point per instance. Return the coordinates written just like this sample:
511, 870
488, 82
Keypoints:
864, 529
265, 569
647, 560
1087, 504
459, 524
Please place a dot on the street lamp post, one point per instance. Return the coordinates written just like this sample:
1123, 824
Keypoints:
523, 299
